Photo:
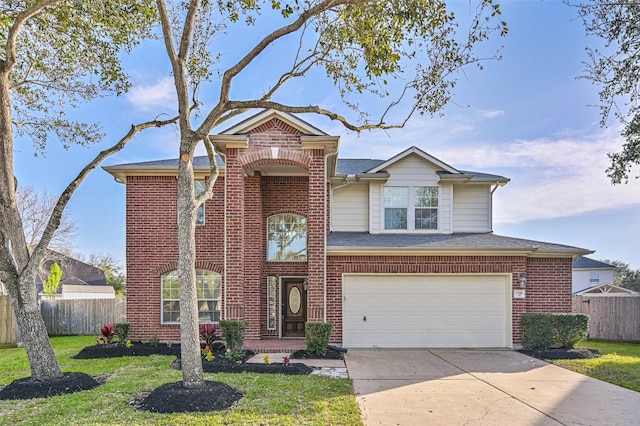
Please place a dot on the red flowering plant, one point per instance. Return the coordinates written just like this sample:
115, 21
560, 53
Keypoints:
210, 333
108, 333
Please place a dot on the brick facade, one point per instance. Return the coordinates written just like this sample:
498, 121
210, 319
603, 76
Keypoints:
233, 243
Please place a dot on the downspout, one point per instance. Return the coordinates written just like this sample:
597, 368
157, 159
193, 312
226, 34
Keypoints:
491, 212
324, 237
224, 262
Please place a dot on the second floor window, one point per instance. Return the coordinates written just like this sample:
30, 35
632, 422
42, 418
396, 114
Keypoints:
287, 238
411, 208
594, 277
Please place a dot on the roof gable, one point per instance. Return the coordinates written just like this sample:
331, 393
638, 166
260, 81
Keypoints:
417, 151
247, 125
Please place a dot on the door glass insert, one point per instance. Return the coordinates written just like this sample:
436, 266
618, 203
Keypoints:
294, 300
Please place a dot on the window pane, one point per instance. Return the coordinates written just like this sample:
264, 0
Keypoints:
271, 302
208, 291
287, 237
396, 201
594, 277
426, 219
396, 196
426, 196
395, 218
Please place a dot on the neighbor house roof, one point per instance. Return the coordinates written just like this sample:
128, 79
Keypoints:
74, 271
586, 263
485, 243
606, 290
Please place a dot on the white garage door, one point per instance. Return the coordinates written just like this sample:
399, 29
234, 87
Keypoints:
426, 311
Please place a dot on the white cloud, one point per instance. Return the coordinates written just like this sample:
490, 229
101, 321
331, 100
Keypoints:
162, 94
488, 114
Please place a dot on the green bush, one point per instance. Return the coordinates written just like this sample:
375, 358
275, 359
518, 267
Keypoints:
233, 335
317, 335
553, 330
121, 331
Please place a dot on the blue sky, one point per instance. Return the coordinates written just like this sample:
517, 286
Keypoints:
526, 117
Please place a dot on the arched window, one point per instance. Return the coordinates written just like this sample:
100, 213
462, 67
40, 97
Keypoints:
287, 238
208, 290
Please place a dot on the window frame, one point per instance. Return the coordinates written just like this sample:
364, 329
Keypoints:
593, 280
411, 210
215, 301
272, 295
306, 239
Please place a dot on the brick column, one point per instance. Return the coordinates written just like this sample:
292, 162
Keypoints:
254, 312
316, 234
235, 232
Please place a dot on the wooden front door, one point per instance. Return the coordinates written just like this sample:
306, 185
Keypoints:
294, 307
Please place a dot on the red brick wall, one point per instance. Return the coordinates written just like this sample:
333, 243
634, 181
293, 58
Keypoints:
152, 249
548, 279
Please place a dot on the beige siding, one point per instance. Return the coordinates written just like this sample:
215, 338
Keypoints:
375, 207
471, 208
349, 209
445, 205
411, 171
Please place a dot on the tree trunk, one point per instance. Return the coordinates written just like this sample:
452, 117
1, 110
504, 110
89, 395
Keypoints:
16, 272
192, 375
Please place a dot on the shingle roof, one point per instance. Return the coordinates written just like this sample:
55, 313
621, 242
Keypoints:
435, 242
352, 166
200, 161
586, 263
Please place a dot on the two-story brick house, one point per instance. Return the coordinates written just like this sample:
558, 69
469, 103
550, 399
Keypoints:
394, 253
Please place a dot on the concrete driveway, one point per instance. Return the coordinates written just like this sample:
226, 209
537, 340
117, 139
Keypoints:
481, 387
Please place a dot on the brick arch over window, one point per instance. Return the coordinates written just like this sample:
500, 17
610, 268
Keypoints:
200, 264
261, 157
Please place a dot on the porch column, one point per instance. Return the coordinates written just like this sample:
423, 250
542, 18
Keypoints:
234, 243
254, 286
316, 234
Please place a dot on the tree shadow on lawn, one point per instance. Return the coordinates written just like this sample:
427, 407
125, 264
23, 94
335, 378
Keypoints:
168, 398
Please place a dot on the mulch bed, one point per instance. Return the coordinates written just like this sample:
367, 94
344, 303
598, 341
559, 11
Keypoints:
175, 398
220, 364
116, 350
563, 353
68, 383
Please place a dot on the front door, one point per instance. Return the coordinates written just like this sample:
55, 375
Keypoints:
294, 307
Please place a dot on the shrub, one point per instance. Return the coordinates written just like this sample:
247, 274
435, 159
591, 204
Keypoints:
233, 334
553, 330
121, 331
107, 333
210, 333
317, 335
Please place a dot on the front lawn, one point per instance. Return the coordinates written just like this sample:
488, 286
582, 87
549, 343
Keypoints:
270, 399
619, 364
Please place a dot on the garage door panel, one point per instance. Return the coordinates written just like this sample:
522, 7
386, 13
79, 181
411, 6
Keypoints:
426, 311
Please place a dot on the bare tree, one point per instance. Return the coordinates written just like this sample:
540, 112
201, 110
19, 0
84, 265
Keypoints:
35, 209
402, 54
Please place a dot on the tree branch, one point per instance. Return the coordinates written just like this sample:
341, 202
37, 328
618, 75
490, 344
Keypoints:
56, 215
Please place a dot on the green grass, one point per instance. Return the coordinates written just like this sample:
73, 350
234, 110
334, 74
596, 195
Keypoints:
270, 399
619, 364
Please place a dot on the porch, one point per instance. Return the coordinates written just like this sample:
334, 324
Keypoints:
275, 345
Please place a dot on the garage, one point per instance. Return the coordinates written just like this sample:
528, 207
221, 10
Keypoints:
426, 311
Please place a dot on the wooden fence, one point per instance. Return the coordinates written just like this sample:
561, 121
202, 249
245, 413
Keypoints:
7, 323
613, 318
81, 316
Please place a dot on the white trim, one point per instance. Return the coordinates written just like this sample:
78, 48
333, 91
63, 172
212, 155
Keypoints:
411, 211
